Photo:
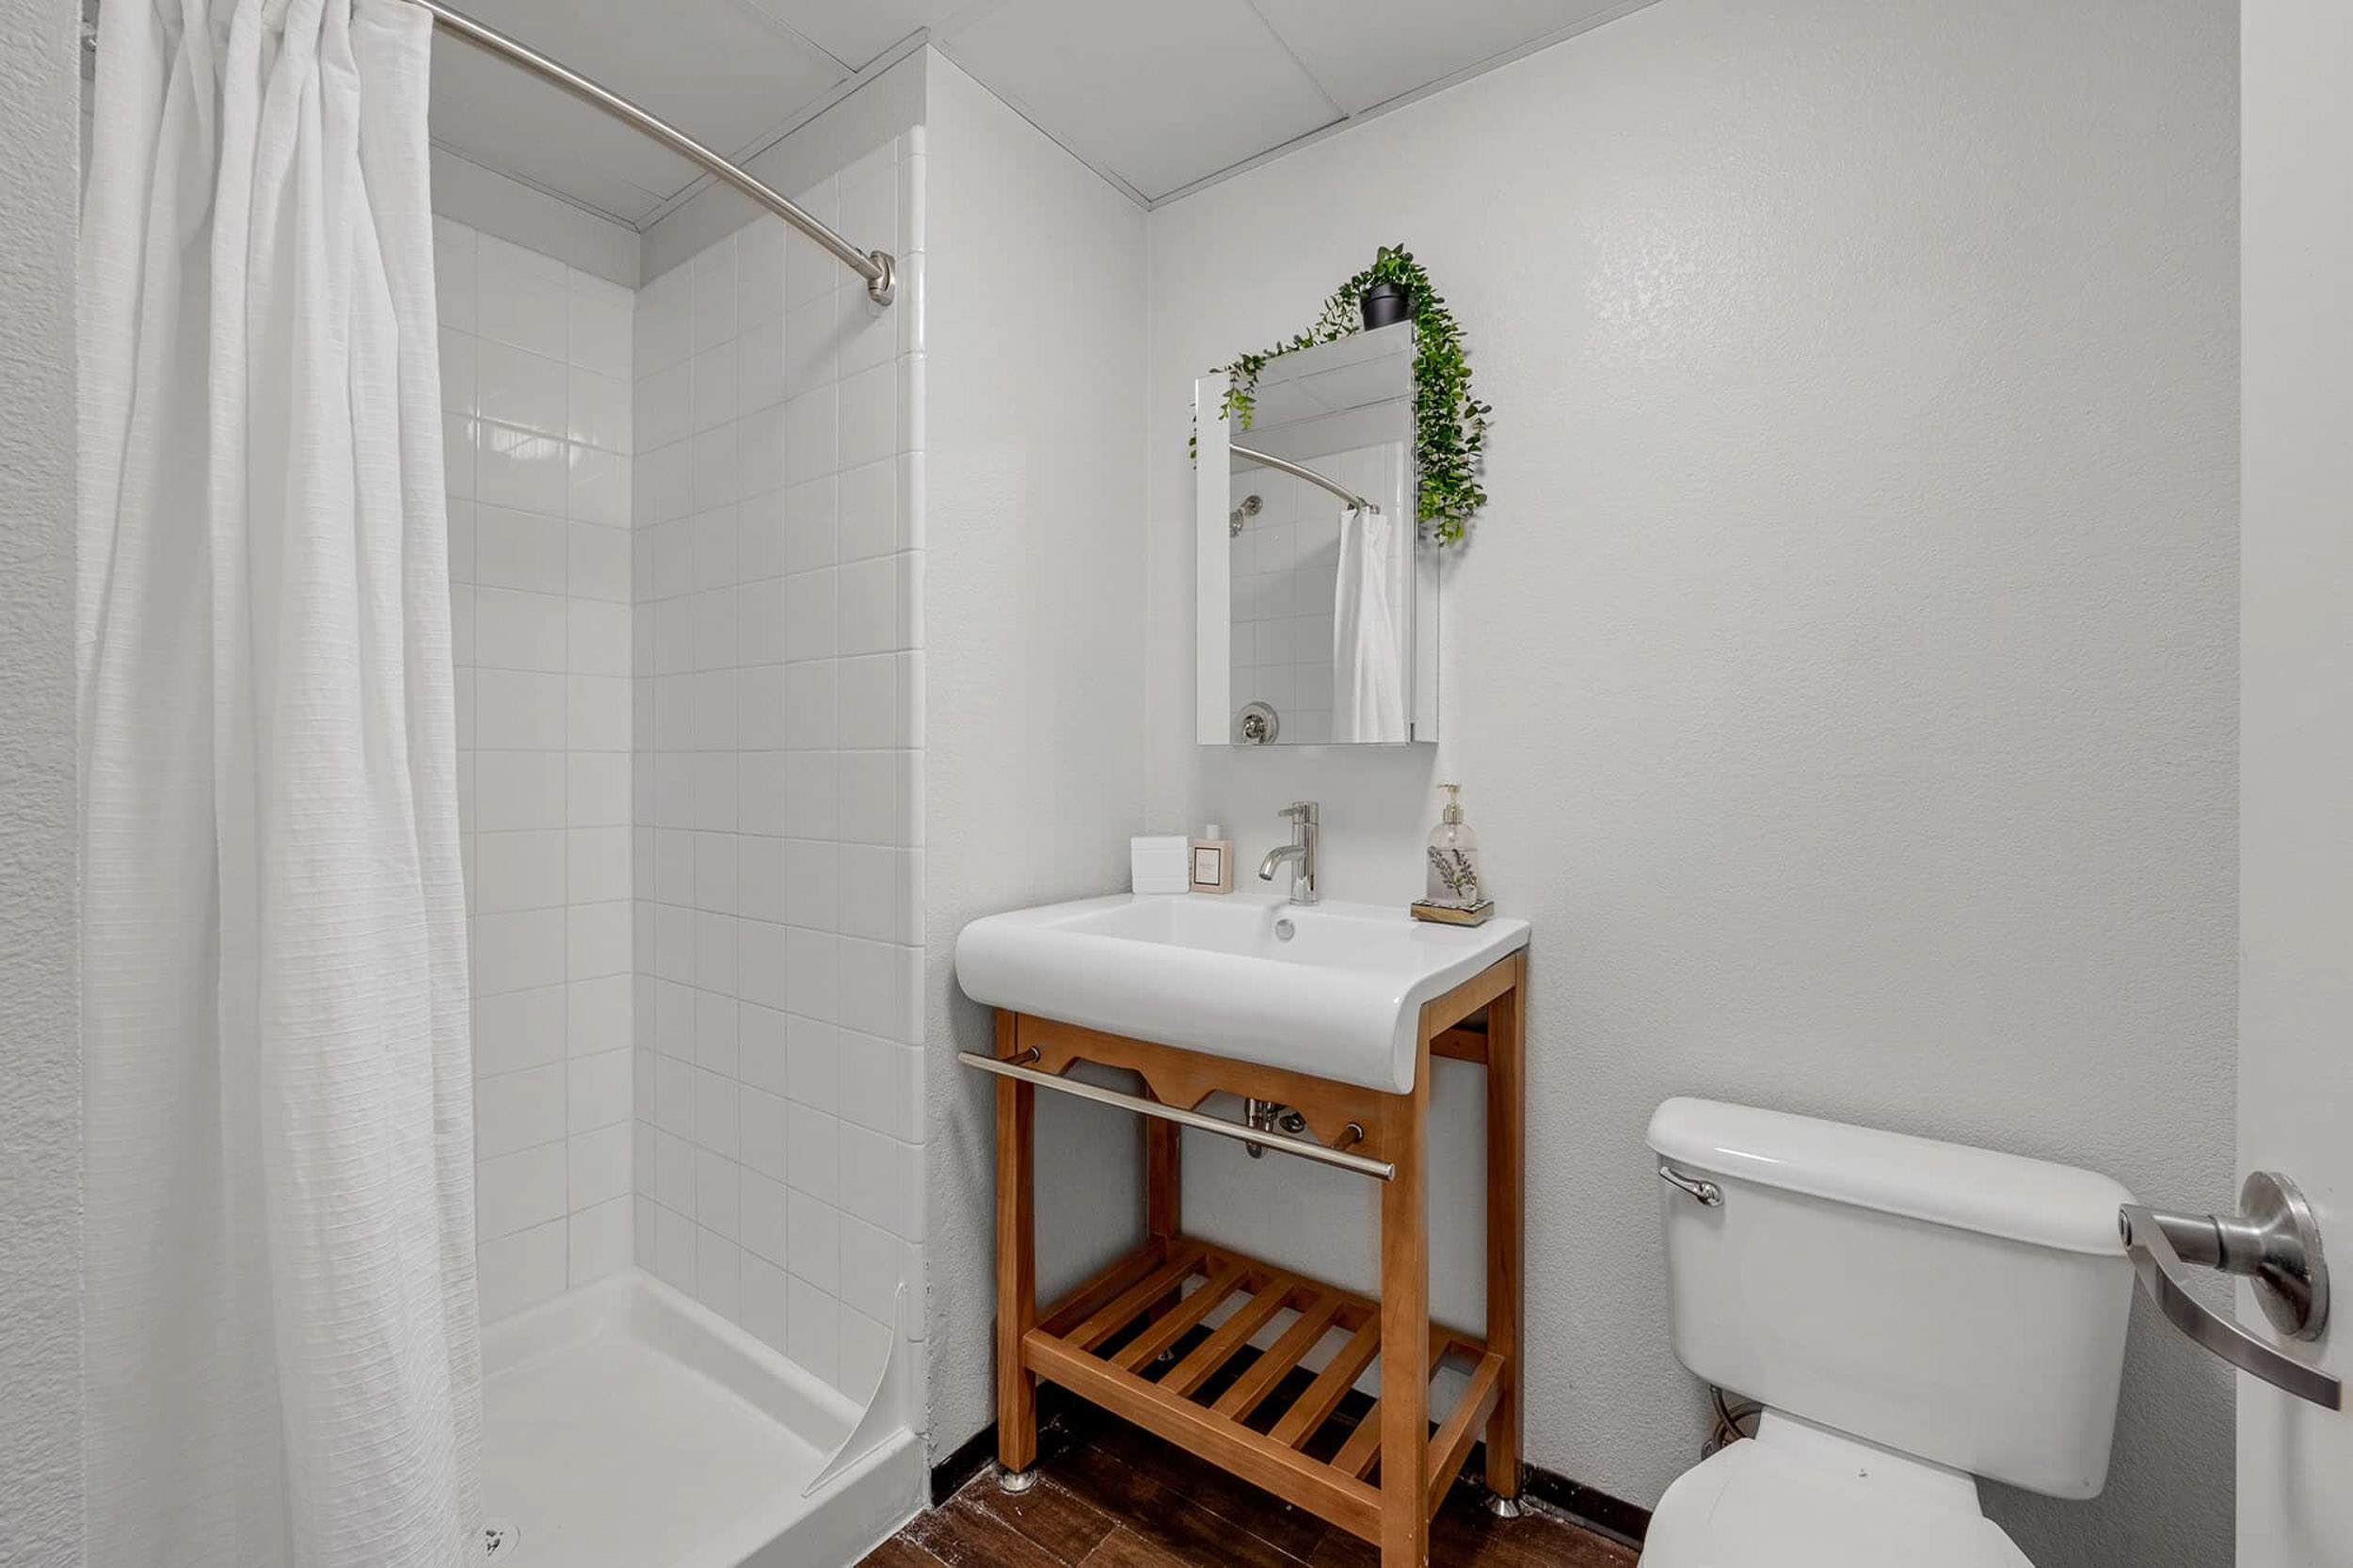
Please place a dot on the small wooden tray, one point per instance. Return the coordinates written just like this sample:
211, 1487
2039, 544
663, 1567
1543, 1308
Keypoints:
1449, 914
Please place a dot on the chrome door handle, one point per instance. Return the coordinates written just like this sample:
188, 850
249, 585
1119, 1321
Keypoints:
2275, 1243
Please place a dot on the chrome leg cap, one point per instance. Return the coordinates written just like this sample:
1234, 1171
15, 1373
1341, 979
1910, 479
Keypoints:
1014, 1483
1503, 1507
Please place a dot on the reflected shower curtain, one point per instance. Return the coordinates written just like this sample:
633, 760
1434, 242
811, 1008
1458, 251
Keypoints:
281, 1357
1367, 662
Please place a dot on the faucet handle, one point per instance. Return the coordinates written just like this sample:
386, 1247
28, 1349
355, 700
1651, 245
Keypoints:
1299, 811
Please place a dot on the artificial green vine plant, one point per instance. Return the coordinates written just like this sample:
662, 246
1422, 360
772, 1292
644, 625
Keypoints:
1449, 424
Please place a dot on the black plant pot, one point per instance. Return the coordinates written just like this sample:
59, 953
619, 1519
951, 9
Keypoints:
1385, 305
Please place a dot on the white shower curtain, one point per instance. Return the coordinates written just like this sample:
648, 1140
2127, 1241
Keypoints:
1368, 663
282, 1357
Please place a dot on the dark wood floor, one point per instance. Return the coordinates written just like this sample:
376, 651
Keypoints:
1111, 1497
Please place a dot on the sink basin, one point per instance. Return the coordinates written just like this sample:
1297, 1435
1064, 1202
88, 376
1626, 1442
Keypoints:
1331, 989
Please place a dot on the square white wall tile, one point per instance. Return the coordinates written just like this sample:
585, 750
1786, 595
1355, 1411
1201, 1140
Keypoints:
597, 1091
602, 1238
518, 1110
515, 1030
515, 1191
521, 1269
520, 870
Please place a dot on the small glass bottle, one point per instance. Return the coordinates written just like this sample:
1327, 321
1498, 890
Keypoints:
1454, 857
1212, 863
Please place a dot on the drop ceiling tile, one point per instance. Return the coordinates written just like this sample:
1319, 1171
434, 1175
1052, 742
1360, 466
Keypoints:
494, 114
1159, 95
1366, 52
726, 74
722, 70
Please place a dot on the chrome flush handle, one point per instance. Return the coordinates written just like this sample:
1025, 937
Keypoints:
1707, 1193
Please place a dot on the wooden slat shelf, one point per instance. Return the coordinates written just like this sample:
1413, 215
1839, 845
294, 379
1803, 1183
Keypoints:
1105, 1342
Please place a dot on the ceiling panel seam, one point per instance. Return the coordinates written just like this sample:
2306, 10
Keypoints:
1403, 100
1009, 100
782, 25
761, 144
660, 206
1276, 33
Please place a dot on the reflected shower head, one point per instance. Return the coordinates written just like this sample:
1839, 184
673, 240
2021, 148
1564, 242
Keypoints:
1249, 509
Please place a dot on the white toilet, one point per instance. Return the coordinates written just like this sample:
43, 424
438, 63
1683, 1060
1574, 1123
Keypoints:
1913, 1315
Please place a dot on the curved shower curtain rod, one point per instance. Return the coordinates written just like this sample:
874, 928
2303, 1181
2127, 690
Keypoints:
876, 266
1297, 470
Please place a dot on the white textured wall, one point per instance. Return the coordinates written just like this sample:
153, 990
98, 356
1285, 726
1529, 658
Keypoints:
40, 1072
1843, 676
1033, 315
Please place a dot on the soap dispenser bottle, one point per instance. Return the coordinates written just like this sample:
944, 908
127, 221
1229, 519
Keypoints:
1453, 857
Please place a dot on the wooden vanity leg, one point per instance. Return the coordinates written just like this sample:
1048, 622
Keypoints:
1507, 1114
1017, 1258
1163, 1210
1405, 1329
1162, 1207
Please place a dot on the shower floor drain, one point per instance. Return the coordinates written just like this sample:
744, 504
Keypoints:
501, 1543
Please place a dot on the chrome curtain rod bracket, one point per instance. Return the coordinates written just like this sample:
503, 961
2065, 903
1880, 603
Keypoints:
1284, 464
876, 266
1305, 1148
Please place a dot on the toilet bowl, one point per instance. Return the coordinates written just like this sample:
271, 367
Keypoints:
1912, 1315
1805, 1497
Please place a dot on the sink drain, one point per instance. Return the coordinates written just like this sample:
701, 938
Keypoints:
501, 1543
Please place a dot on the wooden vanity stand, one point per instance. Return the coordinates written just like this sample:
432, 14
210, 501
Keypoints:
1109, 1340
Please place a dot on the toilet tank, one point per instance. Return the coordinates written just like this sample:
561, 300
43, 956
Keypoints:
1962, 1305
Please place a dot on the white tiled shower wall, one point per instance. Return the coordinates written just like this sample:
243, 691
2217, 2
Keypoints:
535, 400
778, 779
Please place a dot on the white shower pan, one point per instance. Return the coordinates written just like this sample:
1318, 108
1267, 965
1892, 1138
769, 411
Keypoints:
625, 1426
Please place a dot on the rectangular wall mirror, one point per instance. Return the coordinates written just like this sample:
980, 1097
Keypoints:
1319, 605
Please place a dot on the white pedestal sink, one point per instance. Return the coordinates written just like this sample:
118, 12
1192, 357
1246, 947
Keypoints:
1335, 990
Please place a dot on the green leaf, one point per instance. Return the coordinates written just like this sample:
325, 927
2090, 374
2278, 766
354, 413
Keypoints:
1449, 424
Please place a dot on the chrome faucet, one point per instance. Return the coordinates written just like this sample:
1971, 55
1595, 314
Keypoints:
1300, 852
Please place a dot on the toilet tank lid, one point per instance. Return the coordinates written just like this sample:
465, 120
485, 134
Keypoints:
2033, 1201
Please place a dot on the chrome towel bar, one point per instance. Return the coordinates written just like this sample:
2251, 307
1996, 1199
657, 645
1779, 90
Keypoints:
1305, 1148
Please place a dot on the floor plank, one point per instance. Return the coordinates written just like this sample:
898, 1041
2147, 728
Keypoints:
1125, 1548
964, 1535
899, 1552
1185, 1504
1051, 1514
1110, 1496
